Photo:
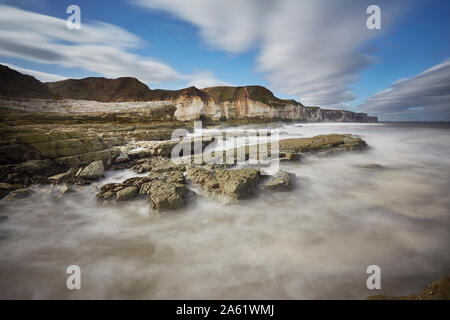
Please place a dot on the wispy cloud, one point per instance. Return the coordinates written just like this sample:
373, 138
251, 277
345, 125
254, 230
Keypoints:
311, 48
97, 47
206, 79
425, 96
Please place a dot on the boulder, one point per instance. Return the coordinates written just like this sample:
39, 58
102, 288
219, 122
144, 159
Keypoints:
93, 171
227, 185
167, 196
282, 181
237, 184
126, 193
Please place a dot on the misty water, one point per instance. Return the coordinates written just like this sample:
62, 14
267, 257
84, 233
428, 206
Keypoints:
315, 242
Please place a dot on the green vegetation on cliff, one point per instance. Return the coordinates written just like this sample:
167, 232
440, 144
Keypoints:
255, 93
101, 89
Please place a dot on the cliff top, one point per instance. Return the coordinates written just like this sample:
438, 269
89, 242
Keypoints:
101, 89
255, 93
14, 84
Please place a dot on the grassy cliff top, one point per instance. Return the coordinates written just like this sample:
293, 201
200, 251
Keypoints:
255, 93
101, 89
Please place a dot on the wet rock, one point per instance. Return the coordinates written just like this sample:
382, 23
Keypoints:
282, 181
167, 196
18, 194
126, 193
65, 189
93, 171
290, 156
165, 187
372, 166
322, 143
226, 185
237, 184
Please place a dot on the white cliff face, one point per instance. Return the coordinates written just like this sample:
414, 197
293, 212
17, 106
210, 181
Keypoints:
189, 108
194, 108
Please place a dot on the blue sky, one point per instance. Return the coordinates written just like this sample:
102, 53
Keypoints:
318, 52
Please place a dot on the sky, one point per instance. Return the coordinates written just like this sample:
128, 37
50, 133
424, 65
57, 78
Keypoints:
319, 52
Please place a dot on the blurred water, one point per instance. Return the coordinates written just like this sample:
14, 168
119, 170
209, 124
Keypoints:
313, 243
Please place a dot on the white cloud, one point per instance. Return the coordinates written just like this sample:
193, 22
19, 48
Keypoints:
206, 79
42, 76
97, 47
308, 48
425, 96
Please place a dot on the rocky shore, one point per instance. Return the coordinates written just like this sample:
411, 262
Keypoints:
76, 150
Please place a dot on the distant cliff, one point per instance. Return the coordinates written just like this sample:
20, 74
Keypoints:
101, 89
215, 103
17, 85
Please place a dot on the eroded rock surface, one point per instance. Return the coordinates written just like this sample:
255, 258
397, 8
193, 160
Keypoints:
226, 185
281, 181
93, 171
165, 187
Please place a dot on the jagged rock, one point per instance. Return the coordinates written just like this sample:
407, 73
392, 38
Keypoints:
143, 166
93, 171
227, 185
164, 196
237, 184
126, 193
204, 177
164, 165
165, 187
282, 181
